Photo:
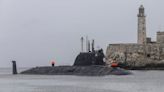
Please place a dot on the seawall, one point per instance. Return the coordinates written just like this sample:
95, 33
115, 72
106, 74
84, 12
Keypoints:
136, 55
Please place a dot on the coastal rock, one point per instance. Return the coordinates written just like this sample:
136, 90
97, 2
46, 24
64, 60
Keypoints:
136, 55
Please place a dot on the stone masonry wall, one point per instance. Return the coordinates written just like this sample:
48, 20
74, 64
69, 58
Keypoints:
160, 37
135, 54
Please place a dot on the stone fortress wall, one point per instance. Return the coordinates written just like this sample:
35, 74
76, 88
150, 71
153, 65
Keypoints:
135, 54
160, 37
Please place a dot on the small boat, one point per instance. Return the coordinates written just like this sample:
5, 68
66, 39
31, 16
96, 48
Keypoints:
117, 70
114, 64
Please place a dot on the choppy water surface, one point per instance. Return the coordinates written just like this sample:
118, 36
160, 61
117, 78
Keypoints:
140, 81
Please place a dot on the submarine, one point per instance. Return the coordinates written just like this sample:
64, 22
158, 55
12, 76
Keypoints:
87, 63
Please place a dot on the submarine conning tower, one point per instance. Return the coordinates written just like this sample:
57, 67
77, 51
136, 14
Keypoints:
94, 57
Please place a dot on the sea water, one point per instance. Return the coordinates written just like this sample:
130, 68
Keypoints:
139, 81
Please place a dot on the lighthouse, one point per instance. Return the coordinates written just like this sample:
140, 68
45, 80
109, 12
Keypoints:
141, 26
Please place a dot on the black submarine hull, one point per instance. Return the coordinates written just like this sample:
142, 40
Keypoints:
94, 70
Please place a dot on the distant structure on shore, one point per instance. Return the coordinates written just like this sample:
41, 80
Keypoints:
143, 52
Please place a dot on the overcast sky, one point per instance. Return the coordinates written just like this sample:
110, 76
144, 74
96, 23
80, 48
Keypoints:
34, 32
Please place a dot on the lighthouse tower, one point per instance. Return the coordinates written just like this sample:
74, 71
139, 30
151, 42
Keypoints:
141, 26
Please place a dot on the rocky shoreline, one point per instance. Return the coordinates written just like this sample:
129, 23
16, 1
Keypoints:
148, 66
95, 70
145, 68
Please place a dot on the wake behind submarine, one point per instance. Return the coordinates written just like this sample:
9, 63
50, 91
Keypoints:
87, 63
